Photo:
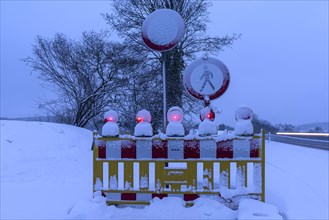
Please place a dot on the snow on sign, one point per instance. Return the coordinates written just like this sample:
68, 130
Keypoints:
206, 78
163, 29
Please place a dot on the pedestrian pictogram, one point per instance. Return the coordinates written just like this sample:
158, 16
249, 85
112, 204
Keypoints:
207, 75
206, 79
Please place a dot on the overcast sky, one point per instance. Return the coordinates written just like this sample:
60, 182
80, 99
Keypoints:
279, 67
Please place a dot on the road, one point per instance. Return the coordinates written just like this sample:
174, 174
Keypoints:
318, 144
297, 180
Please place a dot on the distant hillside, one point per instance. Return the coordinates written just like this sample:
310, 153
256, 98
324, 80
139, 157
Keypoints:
31, 118
312, 126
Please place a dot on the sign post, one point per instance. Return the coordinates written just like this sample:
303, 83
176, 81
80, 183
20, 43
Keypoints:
164, 91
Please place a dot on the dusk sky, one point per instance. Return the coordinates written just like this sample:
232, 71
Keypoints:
279, 67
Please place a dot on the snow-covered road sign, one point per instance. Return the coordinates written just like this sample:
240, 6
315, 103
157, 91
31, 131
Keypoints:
163, 29
206, 78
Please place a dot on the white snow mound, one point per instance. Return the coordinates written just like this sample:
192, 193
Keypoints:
243, 127
143, 129
110, 129
175, 129
207, 127
254, 209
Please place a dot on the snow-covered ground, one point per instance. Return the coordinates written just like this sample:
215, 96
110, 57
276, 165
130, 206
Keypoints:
46, 173
297, 180
45, 169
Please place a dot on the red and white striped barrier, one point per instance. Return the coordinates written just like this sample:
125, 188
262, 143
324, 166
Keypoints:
179, 149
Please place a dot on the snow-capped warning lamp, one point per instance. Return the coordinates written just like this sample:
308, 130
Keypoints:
175, 114
243, 125
110, 128
207, 113
207, 125
111, 116
143, 127
143, 116
175, 127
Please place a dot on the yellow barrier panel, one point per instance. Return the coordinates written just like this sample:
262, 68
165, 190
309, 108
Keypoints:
128, 175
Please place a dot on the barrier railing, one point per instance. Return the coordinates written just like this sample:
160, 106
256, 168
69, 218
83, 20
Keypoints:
133, 170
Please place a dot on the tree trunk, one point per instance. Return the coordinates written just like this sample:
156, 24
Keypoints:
174, 68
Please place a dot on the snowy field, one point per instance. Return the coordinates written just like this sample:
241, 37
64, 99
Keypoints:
46, 173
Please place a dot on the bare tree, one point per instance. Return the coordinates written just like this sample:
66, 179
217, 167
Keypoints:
143, 92
127, 18
95, 74
85, 74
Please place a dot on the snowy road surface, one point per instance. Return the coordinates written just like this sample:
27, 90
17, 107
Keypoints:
46, 173
313, 143
297, 180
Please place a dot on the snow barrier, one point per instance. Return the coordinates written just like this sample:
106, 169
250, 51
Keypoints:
133, 170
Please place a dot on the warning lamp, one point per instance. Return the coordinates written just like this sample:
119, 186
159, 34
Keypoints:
139, 119
175, 127
109, 119
111, 116
175, 117
211, 115
243, 113
143, 116
175, 114
143, 128
207, 113
110, 128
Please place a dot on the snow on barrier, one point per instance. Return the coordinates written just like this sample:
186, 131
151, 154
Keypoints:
133, 170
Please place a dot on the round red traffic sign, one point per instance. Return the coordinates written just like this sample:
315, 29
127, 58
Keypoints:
206, 78
163, 29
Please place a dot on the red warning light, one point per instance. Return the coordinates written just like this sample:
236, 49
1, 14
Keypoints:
109, 119
175, 114
210, 114
175, 117
111, 116
143, 116
139, 119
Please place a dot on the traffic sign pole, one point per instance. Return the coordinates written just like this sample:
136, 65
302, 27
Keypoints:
164, 92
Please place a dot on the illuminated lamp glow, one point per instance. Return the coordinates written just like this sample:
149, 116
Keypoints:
175, 114
207, 113
139, 119
303, 134
109, 119
211, 115
111, 116
143, 116
175, 117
